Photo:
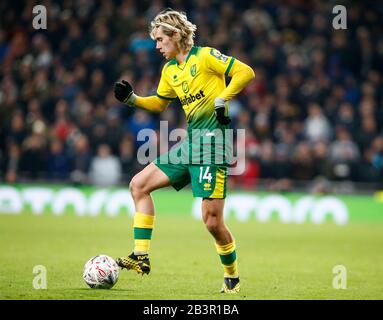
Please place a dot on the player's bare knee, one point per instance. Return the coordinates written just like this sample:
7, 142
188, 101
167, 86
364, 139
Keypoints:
212, 224
136, 186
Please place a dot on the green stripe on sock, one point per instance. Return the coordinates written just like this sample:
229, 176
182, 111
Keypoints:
142, 233
228, 258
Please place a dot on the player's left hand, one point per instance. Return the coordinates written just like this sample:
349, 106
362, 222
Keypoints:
220, 111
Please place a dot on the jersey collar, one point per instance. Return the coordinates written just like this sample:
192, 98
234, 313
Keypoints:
192, 51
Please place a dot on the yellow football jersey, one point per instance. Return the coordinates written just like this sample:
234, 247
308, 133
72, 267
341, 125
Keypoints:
197, 82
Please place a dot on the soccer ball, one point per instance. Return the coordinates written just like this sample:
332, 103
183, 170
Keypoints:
101, 272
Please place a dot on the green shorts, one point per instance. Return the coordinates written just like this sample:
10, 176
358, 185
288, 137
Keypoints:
208, 180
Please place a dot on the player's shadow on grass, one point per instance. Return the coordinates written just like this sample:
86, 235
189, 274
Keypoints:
100, 290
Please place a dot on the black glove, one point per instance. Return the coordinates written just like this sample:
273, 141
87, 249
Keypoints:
122, 91
220, 112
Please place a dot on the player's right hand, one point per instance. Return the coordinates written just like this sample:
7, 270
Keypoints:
122, 91
219, 106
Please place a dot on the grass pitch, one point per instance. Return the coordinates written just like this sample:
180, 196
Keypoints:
276, 261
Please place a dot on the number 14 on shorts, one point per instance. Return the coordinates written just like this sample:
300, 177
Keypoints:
205, 175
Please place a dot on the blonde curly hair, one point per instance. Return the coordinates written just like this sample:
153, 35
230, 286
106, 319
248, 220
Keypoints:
173, 22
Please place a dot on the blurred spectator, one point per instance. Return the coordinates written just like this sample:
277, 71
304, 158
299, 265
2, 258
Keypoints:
97, 89
367, 132
371, 168
284, 151
12, 163
34, 118
320, 158
105, 169
81, 158
343, 155
99, 136
316, 126
114, 132
345, 117
311, 79
303, 167
139, 121
377, 155
58, 161
33, 163
129, 164
266, 160
3, 45
250, 150
16, 132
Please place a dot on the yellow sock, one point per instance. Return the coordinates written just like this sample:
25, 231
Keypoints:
228, 258
143, 227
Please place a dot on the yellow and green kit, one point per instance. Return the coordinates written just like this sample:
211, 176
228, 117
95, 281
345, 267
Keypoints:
202, 158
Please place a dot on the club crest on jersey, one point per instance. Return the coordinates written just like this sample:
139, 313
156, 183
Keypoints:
185, 87
215, 53
193, 70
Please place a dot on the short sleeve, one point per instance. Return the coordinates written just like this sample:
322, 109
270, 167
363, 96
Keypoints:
218, 62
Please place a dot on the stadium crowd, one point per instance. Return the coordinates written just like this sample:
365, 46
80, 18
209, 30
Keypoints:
314, 110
